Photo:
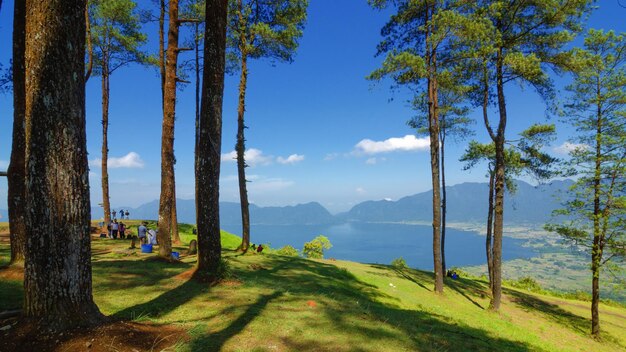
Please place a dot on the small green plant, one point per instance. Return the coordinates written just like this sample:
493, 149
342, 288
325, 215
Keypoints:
527, 283
399, 263
315, 249
288, 251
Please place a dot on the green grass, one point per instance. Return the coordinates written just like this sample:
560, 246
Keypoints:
276, 303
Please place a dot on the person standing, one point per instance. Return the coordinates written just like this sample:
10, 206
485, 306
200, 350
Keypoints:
114, 229
122, 229
113, 214
141, 232
121, 214
127, 214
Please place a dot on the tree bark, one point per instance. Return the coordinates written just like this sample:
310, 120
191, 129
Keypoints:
433, 128
488, 239
596, 250
241, 140
197, 69
167, 136
443, 203
57, 277
106, 204
175, 234
16, 171
498, 220
89, 45
207, 165
162, 49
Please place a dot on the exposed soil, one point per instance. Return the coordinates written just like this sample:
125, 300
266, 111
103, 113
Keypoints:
114, 336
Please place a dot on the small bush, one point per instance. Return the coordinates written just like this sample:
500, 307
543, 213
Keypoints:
399, 263
288, 251
315, 249
527, 283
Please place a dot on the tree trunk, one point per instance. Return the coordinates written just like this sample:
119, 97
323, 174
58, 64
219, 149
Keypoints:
443, 204
175, 234
488, 240
167, 136
197, 69
596, 250
433, 128
16, 171
241, 143
89, 45
207, 165
498, 220
57, 277
162, 49
105, 141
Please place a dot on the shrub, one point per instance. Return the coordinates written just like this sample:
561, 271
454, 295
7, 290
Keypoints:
288, 251
399, 263
527, 283
315, 249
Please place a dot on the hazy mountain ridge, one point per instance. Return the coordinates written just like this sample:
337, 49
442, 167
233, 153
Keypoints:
467, 202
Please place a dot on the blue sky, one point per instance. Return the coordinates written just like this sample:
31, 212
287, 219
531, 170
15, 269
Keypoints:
319, 131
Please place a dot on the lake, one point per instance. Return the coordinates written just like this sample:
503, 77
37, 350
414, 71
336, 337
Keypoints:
381, 243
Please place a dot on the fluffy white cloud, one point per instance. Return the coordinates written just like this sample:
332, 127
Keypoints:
256, 157
291, 159
130, 160
567, 147
406, 143
253, 157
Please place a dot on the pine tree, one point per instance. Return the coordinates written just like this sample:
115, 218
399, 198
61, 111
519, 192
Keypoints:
259, 30
596, 108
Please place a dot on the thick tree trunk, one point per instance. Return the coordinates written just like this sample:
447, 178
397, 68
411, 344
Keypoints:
175, 234
57, 277
167, 136
16, 171
162, 49
443, 204
498, 220
241, 148
208, 155
488, 240
89, 45
106, 204
197, 69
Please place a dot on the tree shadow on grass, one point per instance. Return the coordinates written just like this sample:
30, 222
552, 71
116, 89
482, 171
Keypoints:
215, 341
550, 311
355, 309
467, 289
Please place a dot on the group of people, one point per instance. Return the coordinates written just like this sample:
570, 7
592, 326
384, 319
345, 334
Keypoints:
146, 235
116, 229
121, 212
258, 249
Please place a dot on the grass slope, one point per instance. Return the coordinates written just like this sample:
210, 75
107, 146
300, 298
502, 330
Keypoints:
276, 303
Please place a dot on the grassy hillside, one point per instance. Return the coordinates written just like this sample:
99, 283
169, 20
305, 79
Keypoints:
276, 303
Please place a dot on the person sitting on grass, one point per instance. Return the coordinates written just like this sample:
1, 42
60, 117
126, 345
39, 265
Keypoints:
259, 248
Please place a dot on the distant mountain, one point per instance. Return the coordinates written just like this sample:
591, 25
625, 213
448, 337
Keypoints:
230, 213
467, 202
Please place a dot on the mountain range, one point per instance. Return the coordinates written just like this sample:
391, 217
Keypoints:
467, 202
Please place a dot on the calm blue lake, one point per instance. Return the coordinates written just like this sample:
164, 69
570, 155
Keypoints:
381, 243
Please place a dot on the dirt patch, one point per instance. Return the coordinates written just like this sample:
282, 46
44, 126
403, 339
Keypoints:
185, 275
116, 336
4, 237
12, 273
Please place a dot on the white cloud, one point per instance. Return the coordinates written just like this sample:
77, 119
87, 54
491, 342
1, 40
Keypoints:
331, 156
253, 157
374, 161
406, 143
130, 160
291, 159
360, 190
567, 147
